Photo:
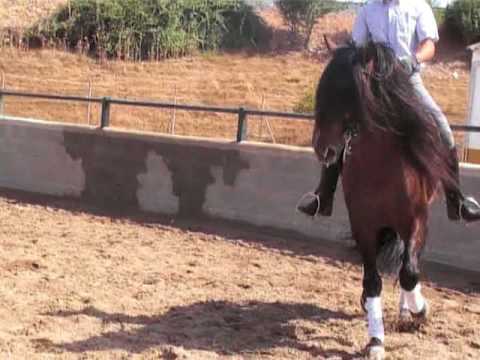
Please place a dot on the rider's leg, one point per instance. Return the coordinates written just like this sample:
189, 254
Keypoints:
458, 206
323, 203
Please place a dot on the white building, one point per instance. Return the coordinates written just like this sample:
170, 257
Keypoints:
436, 3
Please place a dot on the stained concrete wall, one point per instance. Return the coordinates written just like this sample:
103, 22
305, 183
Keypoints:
246, 183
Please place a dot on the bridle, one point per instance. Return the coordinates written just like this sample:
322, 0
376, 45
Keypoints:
343, 149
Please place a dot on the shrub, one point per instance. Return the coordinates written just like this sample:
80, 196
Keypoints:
302, 15
439, 16
438, 12
463, 17
140, 29
306, 105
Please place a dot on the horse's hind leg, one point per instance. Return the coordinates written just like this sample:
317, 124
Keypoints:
411, 299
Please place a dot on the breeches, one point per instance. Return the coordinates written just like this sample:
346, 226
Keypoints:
439, 117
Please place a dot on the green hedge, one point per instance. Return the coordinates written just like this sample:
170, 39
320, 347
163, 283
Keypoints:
302, 15
463, 17
142, 29
306, 104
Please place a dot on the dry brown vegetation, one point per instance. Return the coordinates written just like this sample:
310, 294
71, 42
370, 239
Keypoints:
223, 80
19, 14
276, 80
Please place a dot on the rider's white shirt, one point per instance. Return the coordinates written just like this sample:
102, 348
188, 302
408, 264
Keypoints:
402, 24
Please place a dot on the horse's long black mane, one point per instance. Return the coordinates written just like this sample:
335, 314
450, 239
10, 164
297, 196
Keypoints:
370, 84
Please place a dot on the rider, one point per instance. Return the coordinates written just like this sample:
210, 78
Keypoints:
410, 29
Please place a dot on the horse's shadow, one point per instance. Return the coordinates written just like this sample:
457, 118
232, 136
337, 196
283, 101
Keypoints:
218, 326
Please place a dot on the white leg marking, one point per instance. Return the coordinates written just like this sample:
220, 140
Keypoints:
403, 301
375, 318
415, 300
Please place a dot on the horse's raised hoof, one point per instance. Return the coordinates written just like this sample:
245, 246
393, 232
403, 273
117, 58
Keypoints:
375, 350
410, 322
405, 320
421, 317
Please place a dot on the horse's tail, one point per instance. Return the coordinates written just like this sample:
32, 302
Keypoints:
390, 251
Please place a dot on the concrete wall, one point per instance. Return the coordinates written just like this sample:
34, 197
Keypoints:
247, 183
473, 139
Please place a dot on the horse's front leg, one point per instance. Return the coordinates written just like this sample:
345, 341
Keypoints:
372, 289
412, 302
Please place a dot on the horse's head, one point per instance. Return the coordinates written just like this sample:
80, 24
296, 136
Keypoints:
336, 105
329, 140
347, 96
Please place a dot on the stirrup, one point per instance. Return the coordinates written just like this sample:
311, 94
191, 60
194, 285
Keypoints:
471, 200
465, 202
307, 195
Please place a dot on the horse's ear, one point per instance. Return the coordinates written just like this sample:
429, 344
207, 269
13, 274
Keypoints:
331, 46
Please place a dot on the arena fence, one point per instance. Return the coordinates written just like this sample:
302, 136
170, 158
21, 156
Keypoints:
242, 113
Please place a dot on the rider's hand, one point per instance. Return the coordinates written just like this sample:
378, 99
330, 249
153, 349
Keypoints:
409, 64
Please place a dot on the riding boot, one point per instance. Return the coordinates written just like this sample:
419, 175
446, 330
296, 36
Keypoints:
323, 202
459, 206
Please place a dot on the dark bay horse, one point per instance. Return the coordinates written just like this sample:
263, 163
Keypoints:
368, 118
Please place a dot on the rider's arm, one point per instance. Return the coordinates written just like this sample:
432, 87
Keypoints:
425, 51
360, 29
427, 34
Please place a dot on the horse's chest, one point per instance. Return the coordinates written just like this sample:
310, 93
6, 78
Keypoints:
370, 175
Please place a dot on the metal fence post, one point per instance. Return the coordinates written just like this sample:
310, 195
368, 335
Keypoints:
105, 120
242, 125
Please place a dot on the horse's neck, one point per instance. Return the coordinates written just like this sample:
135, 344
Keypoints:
381, 187
375, 157
377, 160
377, 147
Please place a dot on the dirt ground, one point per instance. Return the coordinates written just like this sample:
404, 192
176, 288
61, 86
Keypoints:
79, 284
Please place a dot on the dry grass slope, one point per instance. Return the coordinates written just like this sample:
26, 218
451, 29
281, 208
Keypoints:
18, 14
276, 80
